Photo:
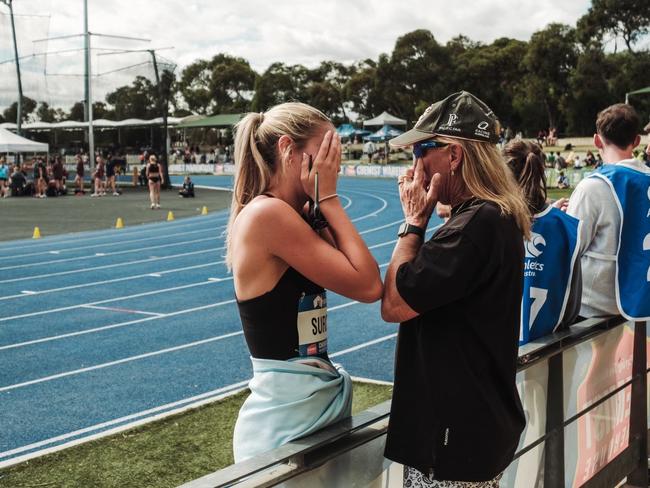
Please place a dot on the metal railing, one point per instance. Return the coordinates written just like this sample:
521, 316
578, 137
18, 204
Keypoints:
297, 459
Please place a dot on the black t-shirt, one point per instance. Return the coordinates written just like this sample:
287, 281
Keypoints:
455, 408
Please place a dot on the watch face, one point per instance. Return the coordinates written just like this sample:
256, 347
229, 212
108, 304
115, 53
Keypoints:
402, 229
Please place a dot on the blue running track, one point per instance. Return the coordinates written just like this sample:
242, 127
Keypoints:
103, 330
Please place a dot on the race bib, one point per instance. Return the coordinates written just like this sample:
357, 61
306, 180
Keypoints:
312, 324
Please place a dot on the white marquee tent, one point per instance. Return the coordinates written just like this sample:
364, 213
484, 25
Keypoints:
13, 143
384, 119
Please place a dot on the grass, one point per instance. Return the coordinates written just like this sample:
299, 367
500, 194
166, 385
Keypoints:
556, 193
61, 215
164, 453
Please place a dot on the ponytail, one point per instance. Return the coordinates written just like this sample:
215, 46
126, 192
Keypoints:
526, 160
256, 156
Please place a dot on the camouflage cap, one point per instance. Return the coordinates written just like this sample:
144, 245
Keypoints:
460, 115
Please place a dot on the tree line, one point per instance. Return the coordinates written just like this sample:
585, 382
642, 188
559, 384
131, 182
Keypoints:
561, 78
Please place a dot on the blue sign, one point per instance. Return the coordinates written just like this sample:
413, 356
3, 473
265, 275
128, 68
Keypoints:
548, 269
631, 189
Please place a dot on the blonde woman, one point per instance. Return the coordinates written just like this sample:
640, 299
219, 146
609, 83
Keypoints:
283, 258
456, 416
155, 178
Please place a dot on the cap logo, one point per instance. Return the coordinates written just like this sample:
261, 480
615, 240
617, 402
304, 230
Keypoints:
453, 118
483, 125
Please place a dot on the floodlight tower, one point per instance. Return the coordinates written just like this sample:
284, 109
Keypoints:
19, 110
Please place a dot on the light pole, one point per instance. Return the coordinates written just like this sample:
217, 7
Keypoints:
19, 110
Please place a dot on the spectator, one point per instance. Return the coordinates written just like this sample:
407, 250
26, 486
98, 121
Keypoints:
577, 164
18, 183
455, 413
551, 262
40, 179
550, 159
560, 162
188, 188
100, 173
562, 181
541, 137
369, 149
4, 176
110, 176
79, 177
590, 160
614, 268
599, 161
57, 173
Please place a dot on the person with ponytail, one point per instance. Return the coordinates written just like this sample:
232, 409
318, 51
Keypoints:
552, 274
284, 254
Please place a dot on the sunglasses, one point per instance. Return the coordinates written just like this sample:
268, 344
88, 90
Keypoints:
421, 148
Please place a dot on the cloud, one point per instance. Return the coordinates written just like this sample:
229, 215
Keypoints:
263, 32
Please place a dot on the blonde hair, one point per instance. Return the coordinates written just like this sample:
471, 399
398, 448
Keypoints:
256, 155
487, 177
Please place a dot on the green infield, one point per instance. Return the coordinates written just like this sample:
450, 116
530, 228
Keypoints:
61, 215
164, 453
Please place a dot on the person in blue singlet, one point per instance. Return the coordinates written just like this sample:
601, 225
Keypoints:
614, 204
552, 275
283, 257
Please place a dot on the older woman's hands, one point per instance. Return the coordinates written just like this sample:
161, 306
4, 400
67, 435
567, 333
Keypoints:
418, 201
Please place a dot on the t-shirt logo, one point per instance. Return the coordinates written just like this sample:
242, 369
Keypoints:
532, 249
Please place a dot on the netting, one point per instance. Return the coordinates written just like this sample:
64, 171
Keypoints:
53, 71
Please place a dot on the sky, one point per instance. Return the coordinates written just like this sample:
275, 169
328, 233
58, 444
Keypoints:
263, 32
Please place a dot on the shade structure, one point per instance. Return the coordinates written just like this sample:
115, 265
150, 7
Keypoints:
345, 130
384, 119
13, 143
97, 124
221, 121
386, 133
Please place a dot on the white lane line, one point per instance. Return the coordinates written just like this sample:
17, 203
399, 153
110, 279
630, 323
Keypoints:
125, 297
112, 326
155, 275
116, 253
364, 345
126, 310
121, 242
116, 265
121, 361
349, 201
165, 228
374, 213
114, 280
27, 292
186, 403
391, 224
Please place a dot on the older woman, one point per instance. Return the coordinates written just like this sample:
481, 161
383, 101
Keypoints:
456, 416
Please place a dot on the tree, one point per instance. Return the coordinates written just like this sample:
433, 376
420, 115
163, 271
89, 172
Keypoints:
549, 61
280, 83
77, 112
223, 84
360, 85
627, 19
138, 100
28, 107
46, 114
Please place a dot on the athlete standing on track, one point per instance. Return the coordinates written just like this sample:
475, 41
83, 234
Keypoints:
283, 259
456, 416
154, 177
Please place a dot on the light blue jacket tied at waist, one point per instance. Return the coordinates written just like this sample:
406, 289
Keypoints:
288, 400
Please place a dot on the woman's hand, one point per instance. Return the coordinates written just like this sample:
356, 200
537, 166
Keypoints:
418, 202
562, 204
327, 164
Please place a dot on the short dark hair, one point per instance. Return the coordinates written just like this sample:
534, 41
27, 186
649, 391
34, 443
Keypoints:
619, 124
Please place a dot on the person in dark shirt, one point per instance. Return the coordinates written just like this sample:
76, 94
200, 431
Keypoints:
188, 188
456, 415
17, 183
57, 173
79, 178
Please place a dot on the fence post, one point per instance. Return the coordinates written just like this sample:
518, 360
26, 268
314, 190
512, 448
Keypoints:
639, 407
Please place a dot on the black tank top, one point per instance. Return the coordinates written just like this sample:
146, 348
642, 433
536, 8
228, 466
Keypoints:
287, 322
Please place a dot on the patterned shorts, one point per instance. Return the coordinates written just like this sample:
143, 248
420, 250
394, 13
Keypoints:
416, 479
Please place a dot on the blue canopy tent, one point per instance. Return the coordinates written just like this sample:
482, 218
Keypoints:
384, 134
349, 131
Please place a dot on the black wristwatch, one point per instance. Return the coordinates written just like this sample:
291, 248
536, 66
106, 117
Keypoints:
407, 228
